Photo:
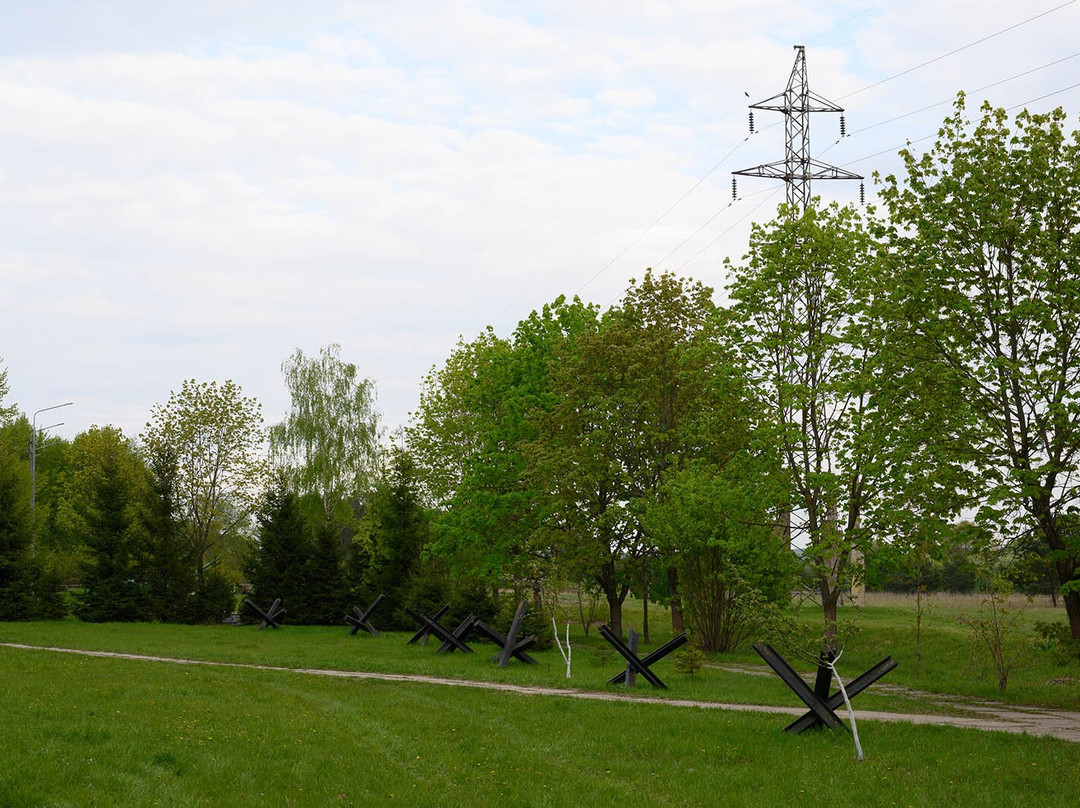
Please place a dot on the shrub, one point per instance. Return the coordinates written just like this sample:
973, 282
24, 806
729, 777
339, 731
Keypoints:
1058, 640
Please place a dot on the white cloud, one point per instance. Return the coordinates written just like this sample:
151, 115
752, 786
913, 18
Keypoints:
628, 98
197, 194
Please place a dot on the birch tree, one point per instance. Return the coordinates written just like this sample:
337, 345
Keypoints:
328, 442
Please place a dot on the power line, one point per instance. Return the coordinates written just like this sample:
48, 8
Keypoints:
662, 216
709, 221
1041, 97
815, 38
912, 69
688, 238
886, 151
771, 193
850, 19
712, 170
955, 51
977, 90
927, 137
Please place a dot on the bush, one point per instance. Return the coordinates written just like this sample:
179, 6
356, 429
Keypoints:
213, 601
690, 660
1058, 640
469, 595
538, 623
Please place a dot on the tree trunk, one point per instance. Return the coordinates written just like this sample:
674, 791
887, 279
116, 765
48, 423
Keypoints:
830, 598
1072, 610
645, 604
614, 612
609, 584
645, 619
538, 598
1065, 565
676, 601
1067, 572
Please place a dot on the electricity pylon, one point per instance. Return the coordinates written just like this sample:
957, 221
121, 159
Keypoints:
798, 168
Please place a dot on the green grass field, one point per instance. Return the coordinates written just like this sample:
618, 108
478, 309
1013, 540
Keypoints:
83, 731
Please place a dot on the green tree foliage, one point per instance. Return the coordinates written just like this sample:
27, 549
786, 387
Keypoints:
210, 434
16, 602
716, 524
278, 564
945, 562
27, 590
802, 301
476, 419
398, 531
58, 549
165, 560
645, 391
542, 451
329, 441
8, 412
105, 484
985, 299
326, 594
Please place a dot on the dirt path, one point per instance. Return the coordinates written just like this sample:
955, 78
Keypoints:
980, 714
984, 715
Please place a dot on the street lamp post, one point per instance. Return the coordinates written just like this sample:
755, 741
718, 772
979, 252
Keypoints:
33, 468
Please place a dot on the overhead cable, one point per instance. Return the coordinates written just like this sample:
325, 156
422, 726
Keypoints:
662, 216
977, 90
927, 137
955, 51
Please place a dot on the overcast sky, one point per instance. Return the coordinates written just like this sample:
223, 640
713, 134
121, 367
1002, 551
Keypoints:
196, 189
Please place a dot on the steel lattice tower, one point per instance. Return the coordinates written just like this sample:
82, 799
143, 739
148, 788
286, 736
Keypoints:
797, 169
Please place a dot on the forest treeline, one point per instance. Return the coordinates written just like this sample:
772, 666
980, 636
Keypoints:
889, 396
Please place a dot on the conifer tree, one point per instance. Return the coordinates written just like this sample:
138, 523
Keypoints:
278, 564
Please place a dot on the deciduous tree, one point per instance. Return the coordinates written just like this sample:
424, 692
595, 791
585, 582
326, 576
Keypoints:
211, 434
715, 523
8, 412
985, 295
329, 441
801, 300
640, 393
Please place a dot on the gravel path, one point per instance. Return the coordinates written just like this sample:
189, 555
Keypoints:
984, 715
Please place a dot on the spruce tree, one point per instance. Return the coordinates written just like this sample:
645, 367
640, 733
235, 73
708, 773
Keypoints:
400, 528
16, 601
165, 562
278, 564
325, 592
107, 481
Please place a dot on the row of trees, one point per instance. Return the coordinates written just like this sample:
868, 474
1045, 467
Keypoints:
168, 526
147, 531
872, 381
616, 449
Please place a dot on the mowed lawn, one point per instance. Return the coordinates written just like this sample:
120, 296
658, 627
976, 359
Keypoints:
952, 663
81, 731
